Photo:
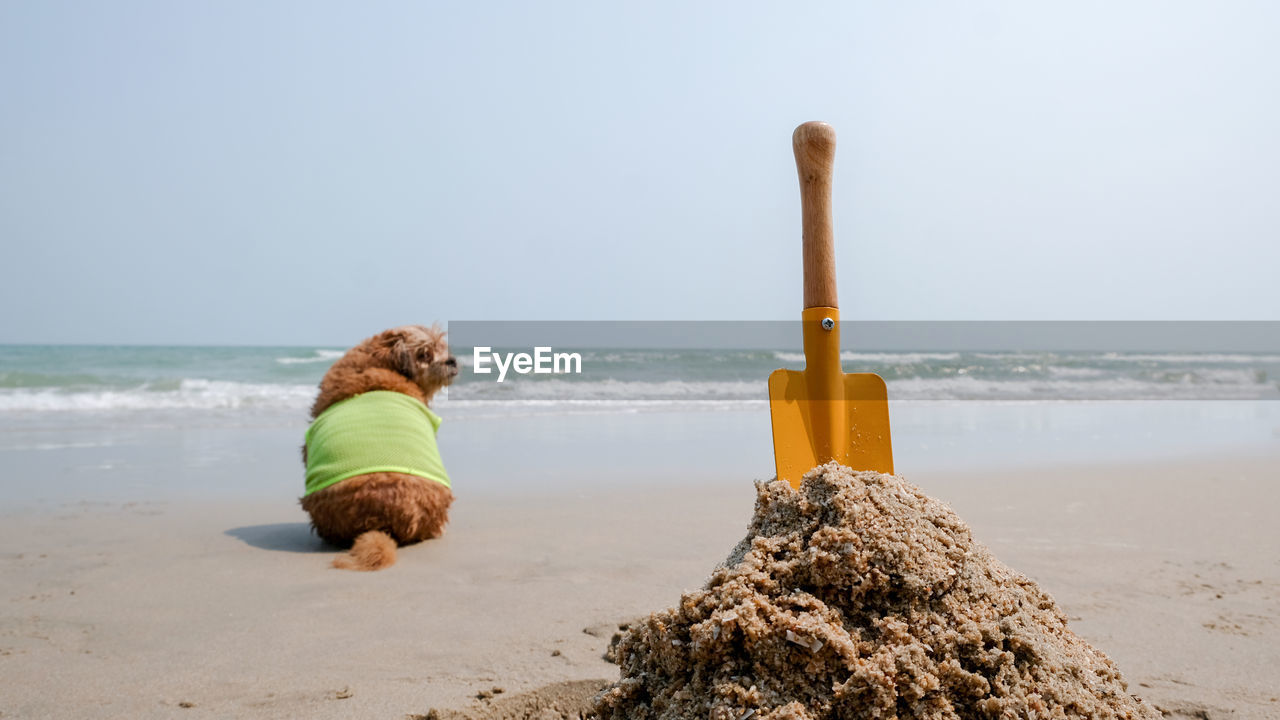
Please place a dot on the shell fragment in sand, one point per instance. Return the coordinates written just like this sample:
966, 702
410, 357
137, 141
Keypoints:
813, 645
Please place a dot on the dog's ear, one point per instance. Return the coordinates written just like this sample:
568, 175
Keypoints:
403, 358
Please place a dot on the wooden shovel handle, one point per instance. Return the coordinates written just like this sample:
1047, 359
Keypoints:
815, 148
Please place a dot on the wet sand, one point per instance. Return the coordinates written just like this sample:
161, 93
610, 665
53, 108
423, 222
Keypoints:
222, 608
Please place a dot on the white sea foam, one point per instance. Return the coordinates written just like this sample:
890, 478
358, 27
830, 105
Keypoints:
192, 394
890, 358
319, 356
521, 408
1193, 358
1058, 384
1238, 386
1075, 372
613, 390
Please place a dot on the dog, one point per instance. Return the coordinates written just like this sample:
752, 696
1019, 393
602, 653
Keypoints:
371, 418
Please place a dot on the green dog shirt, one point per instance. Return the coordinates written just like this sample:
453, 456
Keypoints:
379, 431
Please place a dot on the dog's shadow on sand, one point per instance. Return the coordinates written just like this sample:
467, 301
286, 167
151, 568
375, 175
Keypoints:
281, 537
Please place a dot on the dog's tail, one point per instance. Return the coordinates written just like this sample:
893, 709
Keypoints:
372, 550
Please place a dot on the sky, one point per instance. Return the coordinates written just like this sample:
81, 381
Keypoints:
294, 173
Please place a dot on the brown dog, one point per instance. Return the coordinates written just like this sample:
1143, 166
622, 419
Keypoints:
377, 511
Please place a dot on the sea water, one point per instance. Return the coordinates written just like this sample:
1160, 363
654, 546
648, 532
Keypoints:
101, 422
66, 380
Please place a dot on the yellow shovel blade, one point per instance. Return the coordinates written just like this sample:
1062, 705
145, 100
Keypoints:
862, 441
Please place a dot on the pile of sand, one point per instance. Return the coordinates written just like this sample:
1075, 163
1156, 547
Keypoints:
860, 597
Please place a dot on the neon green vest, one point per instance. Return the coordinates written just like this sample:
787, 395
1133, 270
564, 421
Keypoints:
379, 431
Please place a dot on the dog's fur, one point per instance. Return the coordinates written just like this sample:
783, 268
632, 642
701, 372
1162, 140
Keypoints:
377, 512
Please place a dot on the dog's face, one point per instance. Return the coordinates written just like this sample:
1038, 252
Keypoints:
422, 355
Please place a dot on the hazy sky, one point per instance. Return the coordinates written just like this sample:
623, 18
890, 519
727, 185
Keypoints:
295, 173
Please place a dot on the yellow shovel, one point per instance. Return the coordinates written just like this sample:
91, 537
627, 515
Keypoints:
822, 413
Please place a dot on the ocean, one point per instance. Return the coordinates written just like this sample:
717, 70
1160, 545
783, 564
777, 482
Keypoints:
97, 380
108, 423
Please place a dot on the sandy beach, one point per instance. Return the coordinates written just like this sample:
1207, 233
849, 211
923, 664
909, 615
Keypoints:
636, 259
222, 608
